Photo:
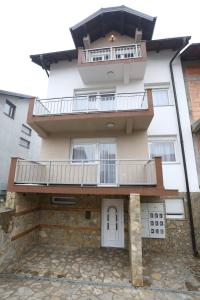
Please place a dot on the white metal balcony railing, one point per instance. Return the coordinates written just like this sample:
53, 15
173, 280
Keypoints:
96, 172
112, 53
91, 103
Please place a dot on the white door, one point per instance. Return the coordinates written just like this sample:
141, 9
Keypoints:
107, 155
112, 226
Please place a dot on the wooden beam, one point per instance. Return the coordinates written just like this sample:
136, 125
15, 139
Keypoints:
77, 190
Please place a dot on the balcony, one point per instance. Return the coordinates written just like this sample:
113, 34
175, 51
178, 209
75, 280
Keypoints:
106, 176
73, 114
112, 63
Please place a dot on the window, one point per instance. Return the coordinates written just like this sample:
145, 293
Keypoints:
160, 97
174, 209
9, 109
24, 143
165, 149
26, 130
84, 152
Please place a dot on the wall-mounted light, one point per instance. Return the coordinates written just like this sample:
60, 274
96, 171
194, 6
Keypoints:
112, 38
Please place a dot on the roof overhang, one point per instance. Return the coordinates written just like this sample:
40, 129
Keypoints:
120, 18
196, 126
13, 94
192, 52
69, 55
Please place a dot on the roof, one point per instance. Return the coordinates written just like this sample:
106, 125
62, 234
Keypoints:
196, 126
120, 18
18, 95
192, 52
46, 59
175, 43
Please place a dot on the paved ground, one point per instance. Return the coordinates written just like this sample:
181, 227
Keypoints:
98, 274
109, 266
13, 289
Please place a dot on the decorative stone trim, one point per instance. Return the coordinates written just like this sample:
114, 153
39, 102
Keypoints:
135, 240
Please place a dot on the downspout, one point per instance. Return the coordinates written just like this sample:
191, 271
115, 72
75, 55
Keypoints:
43, 64
192, 230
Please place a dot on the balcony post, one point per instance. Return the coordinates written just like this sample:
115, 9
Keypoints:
80, 56
11, 177
150, 99
49, 174
30, 109
82, 169
159, 172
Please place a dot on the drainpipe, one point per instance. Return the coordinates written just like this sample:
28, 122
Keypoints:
192, 230
43, 64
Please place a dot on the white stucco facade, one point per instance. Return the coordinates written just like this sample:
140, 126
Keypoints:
65, 79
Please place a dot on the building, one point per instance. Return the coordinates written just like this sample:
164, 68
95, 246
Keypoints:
191, 68
190, 58
113, 165
17, 139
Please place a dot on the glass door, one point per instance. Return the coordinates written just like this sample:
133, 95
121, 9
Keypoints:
107, 155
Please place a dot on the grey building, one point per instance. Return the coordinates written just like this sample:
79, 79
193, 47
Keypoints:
16, 137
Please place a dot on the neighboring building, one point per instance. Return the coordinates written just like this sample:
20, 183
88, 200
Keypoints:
191, 69
17, 139
109, 118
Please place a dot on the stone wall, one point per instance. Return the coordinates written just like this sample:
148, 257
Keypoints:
63, 225
178, 236
18, 228
35, 220
196, 216
67, 225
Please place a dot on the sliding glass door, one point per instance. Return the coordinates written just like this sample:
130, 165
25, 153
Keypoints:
107, 155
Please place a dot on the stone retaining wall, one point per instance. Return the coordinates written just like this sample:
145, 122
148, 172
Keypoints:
18, 230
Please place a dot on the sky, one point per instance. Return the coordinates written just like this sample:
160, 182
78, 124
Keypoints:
39, 26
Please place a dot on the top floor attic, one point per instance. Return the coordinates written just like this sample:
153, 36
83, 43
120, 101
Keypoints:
111, 44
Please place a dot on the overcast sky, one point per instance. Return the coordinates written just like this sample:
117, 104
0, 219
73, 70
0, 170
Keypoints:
37, 26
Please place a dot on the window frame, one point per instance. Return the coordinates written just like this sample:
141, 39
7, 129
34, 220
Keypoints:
29, 143
87, 141
160, 139
25, 126
79, 162
175, 216
12, 106
161, 87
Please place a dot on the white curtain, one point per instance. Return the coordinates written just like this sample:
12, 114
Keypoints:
164, 149
84, 152
160, 97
